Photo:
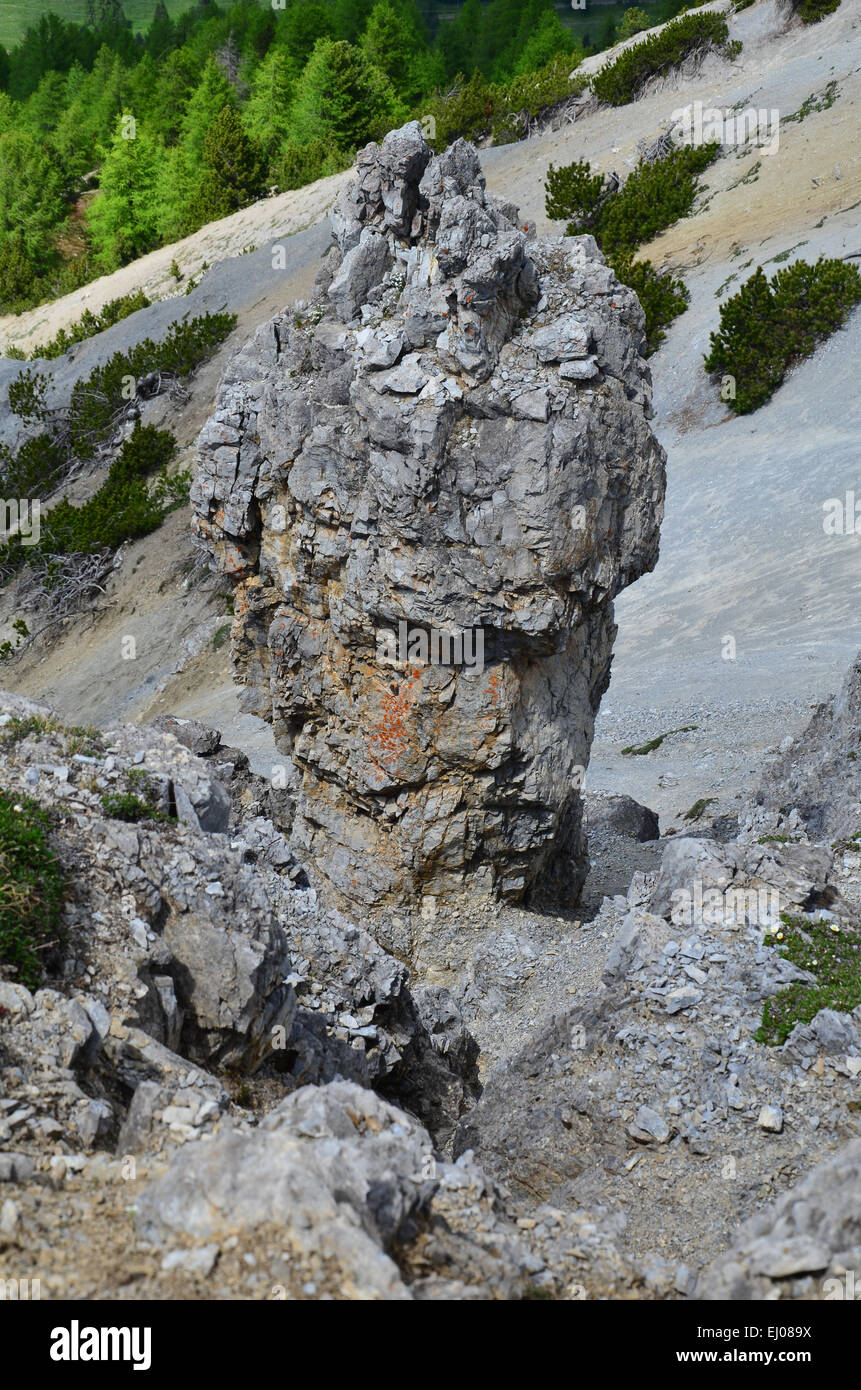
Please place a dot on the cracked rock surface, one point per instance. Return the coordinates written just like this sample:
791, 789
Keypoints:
451, 439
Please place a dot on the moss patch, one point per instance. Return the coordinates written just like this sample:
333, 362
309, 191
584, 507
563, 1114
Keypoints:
830, 952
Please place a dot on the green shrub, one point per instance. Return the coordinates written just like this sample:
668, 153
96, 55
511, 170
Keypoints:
769, 325
532, 94
138, 801
829, 952
37, 467
123, 508
19, 276
690, 36
466, 111
662, 296
654, 196
126, 507
634, 21
301, 164
474, 108
90, 324
811, 11
31, 889
96, 401
575, 193
97, 404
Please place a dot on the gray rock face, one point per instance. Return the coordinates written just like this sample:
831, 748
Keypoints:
812, 1230
407, 458
818, 775
350, 1180
621, 815
212, 950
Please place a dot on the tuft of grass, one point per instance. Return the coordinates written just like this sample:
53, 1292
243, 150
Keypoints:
138, 801
31, 889
635, 751
832, 954
23, 726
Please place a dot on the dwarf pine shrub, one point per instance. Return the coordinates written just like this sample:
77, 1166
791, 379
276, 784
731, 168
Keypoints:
124, 508
31, 889
769, 325
90, 324
662, 296
655, 195
474, 108
690, 36
80, 428
811, 11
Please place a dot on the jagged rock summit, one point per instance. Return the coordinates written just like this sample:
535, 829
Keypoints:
427, 485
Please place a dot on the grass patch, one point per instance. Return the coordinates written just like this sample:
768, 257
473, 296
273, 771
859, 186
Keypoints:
79, 738
635, 751
139, 800
832, 954
220, 637
31, 889
769, 325
817, 101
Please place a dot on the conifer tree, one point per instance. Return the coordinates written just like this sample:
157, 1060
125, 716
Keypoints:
266, 114
209, 98
122, 220
342, 97
233, 169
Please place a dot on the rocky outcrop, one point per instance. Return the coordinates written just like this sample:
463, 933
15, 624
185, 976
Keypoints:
620, 815
427, 485
806, 1245
656, 1081
338, 1188
209, 952
817, 776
